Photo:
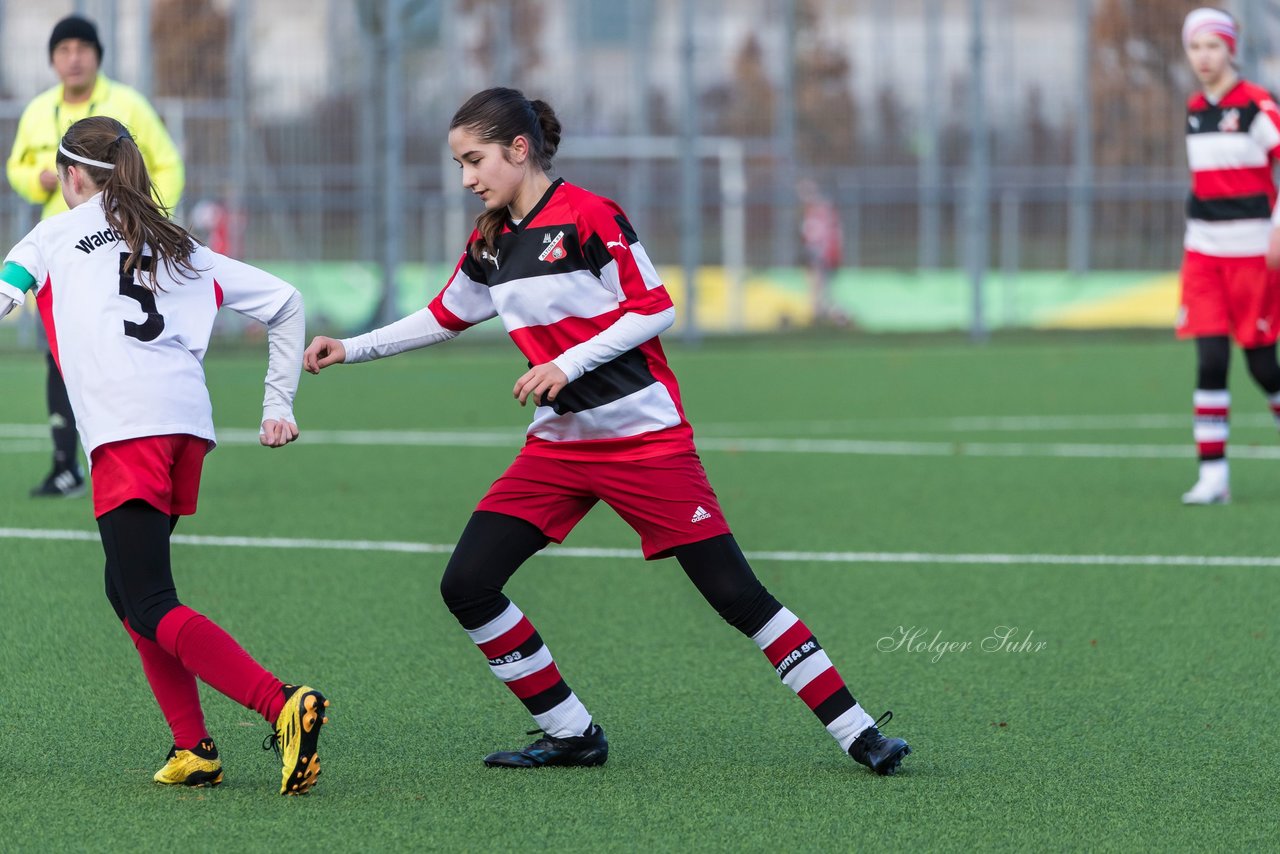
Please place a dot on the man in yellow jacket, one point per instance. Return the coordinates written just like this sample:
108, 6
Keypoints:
76, 54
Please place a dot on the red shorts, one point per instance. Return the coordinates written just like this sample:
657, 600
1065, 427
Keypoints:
163, 471
1239, 297
667, 500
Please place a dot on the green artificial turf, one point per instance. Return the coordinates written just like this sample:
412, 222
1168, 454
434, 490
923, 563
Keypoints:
1146, 718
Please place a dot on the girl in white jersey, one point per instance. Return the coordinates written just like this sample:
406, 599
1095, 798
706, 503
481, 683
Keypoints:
575, 289
128, 300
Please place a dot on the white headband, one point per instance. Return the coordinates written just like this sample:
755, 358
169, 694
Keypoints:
85, 160
1213, 21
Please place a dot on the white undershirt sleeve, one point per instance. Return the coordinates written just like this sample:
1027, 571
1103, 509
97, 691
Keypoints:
6, 304
286, 338
420, 329
627, 332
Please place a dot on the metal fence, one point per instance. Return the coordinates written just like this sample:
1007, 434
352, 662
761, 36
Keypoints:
1015, 134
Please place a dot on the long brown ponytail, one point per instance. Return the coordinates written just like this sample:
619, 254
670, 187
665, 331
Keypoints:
128, 196
500, 115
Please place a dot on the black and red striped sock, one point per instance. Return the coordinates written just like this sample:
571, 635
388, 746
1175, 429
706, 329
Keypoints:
1211, 426
519, 658
804, 667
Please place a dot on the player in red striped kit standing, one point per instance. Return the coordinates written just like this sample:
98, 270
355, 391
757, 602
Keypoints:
580, 298
128, 301
1231, 263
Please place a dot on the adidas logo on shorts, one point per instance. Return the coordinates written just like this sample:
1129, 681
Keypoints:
700, 515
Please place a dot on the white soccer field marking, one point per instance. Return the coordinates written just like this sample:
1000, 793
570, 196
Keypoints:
740, 444
821, 427
25, 446
984, 424
762, 445
402, 547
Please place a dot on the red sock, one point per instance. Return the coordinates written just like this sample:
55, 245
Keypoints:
175, 691
213, 655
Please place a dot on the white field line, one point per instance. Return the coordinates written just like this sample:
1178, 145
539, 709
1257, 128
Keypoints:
634, 554
25, 446
854, 447
818, 427
240, 436
987, 423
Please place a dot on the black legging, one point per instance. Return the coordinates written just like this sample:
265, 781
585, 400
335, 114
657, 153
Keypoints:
1213, 363
493, 546
139, 577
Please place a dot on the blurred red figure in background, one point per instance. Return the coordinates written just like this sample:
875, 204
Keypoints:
823, 238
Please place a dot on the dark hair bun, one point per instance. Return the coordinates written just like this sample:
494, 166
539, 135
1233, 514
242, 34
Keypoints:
550, 127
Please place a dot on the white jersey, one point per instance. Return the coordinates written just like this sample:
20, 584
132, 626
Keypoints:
132, 358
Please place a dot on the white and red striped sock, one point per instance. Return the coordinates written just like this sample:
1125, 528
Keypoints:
519, 658
805, 668
1211, 425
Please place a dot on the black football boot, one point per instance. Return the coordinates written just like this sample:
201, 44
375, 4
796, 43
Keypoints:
882, 755
590, 748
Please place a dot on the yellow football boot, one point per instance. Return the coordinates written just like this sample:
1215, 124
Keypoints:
297, 733
199, 766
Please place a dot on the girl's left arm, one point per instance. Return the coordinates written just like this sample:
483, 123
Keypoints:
277, 304
543, 382
627, 332
1265, 131
624, 268
286, 335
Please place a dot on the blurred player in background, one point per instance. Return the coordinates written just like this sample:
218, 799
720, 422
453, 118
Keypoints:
1231, 263
76, 54
823, 239
128, 300
575, 289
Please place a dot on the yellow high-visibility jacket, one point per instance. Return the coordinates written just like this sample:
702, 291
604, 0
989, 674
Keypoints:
46, 119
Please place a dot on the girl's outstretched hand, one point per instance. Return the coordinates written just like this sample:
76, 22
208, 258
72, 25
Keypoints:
542, 382
321, 353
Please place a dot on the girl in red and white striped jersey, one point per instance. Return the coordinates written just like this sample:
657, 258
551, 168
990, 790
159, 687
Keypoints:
1231, 262
128, 301
577, 293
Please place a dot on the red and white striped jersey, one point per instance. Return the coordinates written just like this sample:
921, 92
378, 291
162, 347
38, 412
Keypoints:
1230, 148
565, 273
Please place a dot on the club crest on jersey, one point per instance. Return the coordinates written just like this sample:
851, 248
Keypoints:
555, 249
1230, 121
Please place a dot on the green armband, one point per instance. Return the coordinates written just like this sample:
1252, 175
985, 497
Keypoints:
17, 275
